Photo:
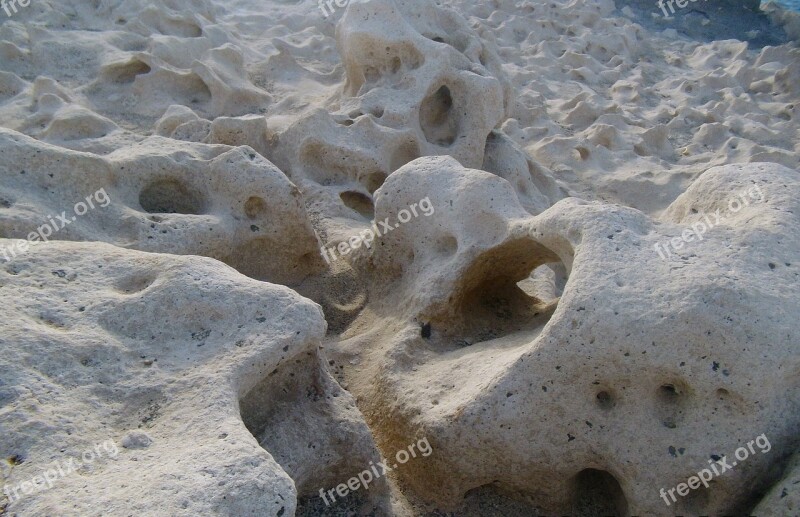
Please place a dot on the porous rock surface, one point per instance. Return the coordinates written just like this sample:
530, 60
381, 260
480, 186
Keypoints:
632, 380
153, 352
534, 327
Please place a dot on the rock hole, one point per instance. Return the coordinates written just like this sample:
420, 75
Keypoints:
697, 500
436, 118
255, 207
583, 153
171, 196
135, 283
605, 400
126, 73
373, 181
668, 394
359, 202
406, 153
598, 493
371, 74
264, 259
496, 500
446, 245
670, 402
488, 303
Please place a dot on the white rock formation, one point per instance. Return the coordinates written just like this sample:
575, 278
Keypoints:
632, 381
601, 301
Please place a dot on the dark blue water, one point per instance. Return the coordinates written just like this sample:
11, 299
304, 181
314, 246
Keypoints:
791, 4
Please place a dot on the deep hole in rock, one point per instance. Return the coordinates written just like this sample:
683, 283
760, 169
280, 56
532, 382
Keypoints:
598, 493
359, 202
439, 123
170, 196
489, 303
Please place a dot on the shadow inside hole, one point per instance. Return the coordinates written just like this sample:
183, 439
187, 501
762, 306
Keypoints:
360, 203
494, 500
598, 493
438, 122
255, 207
489, 303
406, 153
605, 400
170, 196
298, 414
127, 72
670, 400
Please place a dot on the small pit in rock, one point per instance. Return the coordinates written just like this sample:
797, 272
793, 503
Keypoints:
170, 196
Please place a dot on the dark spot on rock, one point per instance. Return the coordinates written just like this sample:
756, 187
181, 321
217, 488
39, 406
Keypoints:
425, 332
199, 336
771, 265
570, 437
715, 366
261, 320
672, 451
